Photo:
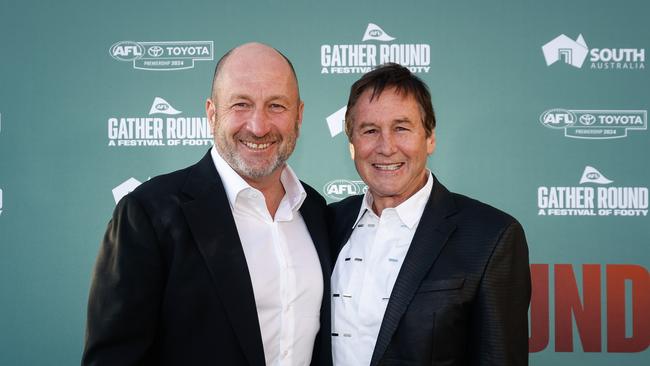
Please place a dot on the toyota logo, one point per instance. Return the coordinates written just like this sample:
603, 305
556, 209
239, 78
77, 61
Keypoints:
155, 51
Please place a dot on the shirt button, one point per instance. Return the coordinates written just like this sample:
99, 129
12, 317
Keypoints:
285, 354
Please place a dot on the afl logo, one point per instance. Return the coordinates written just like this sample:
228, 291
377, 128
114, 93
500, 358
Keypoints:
593, 175
557, 118
342, 188
126, 51
162, 107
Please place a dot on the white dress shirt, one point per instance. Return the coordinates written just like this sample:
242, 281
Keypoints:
282, 263
365, 273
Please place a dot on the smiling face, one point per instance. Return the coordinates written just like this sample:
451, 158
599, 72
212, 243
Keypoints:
390, 146
255, 112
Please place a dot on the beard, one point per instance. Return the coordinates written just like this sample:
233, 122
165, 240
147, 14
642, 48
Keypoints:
256, 168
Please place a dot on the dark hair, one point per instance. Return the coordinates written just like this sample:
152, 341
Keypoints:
223, 59
396, 76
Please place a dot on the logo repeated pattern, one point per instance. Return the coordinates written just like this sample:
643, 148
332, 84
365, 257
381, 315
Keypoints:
574, 53
361, 58
163, 56
595, 124
156, 131
594, 196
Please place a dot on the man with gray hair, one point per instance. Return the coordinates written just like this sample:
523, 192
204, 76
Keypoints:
225, 262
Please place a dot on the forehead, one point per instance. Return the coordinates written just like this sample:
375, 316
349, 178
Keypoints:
386, 107
263, 72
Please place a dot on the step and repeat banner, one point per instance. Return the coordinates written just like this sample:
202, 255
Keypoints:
542, 111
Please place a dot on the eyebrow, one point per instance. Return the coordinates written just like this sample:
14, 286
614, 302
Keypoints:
271, 98
239, 96
402, 120
246, 96
394, 122
367, 124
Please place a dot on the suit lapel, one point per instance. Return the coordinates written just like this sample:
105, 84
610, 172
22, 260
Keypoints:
210, 219
344, 225
432, 233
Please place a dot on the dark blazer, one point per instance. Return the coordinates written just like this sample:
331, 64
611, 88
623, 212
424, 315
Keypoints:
171, 285
462, 293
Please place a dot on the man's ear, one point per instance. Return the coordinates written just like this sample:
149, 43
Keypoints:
301, 107
431, 142
211, 113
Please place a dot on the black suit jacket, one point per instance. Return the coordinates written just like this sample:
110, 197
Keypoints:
171, 285
462, 293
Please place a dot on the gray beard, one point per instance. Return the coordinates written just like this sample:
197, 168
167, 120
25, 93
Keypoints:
239, 165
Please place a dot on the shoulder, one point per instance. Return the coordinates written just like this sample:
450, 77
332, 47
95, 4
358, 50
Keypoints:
343, 212
159, 194
313, 197
352, 203
476, 216
161, 185
476, 209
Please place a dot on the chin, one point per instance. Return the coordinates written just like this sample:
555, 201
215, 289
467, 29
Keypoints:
384, 192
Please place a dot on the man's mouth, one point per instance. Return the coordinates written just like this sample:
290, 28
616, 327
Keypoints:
256, 146
387, 167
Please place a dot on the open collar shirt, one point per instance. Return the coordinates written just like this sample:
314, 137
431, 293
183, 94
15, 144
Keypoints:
365, 273
283, 265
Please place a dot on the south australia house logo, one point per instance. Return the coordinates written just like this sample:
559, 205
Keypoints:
163, 126
595, 195
162, 56
564, 48
339, 189
575, 52
595, 124
377, 48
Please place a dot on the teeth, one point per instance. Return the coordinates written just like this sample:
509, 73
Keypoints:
388, 166
255, 146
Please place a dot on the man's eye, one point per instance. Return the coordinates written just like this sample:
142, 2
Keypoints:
369, 131
240, 106
401, 129
277, 107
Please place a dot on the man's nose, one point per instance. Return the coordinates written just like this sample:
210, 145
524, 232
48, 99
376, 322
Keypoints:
259, 123
387, 144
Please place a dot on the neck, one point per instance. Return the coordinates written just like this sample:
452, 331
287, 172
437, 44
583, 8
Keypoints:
380, 202
272, 189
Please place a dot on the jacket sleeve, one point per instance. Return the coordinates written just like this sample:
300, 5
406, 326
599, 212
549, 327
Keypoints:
500, 315
126, 290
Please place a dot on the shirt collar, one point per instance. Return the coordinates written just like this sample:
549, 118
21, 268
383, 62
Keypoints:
408, 211
234, 184
295, 193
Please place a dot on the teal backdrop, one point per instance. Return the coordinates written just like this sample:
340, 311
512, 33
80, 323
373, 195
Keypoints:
541, 108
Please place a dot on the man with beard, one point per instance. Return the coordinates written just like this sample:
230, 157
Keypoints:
224, 262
